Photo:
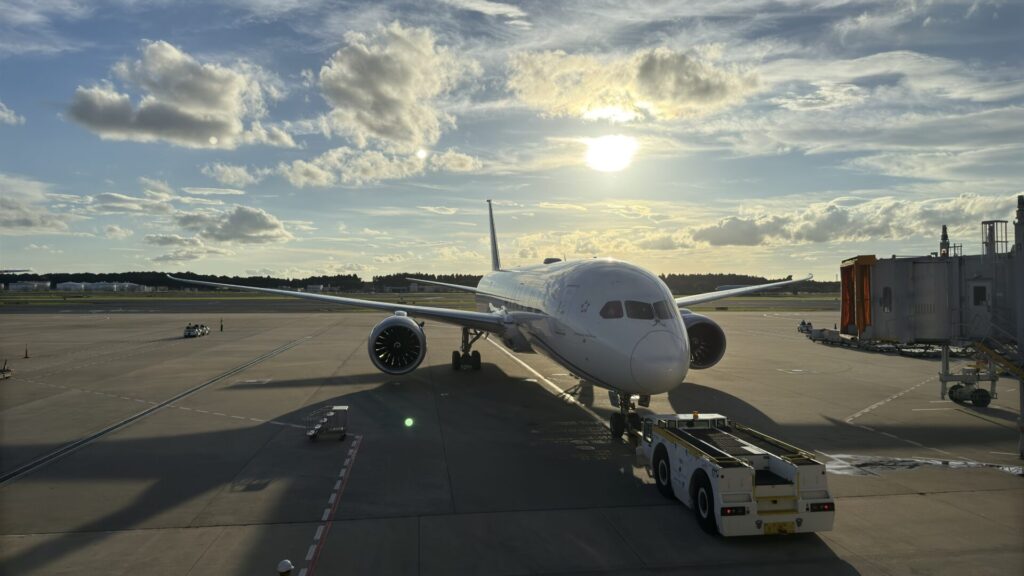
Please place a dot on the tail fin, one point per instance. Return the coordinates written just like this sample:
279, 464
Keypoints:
495, 261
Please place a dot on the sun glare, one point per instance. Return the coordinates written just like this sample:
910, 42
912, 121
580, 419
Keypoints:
610, 153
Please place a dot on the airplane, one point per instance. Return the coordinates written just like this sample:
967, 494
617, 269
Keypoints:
608, 322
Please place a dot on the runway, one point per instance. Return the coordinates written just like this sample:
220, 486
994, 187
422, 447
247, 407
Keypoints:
191, 458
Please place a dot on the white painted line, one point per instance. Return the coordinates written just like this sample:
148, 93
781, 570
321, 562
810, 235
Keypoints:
889, 435
939, 451
928, 409
918, 444
203, 411
342, 473
255, 419
218, 414
319, 532
309, 555
327, 512
1003, 453
347, 460
278, 423
1010, 390
852, 417
337, 485
558, 391
239, 417
302, 572
334, 496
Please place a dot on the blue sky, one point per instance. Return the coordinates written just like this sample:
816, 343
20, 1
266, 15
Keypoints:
306, 137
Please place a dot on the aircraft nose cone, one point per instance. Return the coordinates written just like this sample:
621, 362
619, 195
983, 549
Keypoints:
659, 361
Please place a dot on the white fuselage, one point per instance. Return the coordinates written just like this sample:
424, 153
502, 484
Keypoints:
610, 323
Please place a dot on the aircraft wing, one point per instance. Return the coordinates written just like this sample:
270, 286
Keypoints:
488, 321
684, 301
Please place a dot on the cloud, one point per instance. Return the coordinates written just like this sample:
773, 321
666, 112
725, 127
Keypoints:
231, 175
658, 84
115, 232
27, 26
8, 116
444, 210
737, 231
23, 208
562, 206
185, 102
488, 8
453, 161
214, 191
117, 203
243, 224
854, 220
383, 86
172, 240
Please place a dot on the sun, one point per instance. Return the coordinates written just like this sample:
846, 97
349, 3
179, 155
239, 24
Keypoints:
610, 153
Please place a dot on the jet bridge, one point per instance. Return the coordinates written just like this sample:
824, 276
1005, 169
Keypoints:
947, 299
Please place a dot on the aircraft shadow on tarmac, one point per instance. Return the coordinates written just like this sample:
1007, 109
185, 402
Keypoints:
481, 442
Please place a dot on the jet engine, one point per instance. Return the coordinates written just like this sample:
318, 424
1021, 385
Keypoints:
397, 345
707, 341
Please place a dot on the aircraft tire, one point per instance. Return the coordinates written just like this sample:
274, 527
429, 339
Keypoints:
456, 360
618, 425
475, 360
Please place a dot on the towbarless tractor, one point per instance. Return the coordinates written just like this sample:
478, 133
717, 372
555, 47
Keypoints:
739, 482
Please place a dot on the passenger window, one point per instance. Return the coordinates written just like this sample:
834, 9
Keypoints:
639, 310
662, 310
886, 299
612, 309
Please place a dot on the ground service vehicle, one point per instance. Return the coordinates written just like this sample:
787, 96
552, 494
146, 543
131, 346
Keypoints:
738, 481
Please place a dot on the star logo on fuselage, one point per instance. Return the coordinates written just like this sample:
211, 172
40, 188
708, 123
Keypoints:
585, 306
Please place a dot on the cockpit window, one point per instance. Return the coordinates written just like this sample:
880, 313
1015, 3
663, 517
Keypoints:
612, 309
639, 310
662, 310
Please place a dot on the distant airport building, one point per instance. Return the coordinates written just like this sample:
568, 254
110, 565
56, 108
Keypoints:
70, 286
316, 288
29, 286
116, 287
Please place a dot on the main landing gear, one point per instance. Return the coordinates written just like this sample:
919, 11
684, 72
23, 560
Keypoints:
465, 355
626, 420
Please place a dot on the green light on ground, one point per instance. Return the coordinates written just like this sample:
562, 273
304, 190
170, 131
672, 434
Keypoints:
409, 422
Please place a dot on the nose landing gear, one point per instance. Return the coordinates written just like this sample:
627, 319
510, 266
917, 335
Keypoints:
465, 355
626, 420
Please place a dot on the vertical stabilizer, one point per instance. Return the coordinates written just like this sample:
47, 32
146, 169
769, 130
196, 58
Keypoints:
495, 261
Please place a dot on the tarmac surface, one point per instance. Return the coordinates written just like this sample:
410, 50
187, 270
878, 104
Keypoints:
188, 456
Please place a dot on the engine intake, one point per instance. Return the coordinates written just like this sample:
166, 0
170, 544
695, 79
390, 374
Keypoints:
707, 341
397, 345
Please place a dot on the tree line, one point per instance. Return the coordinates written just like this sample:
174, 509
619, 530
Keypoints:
678, 283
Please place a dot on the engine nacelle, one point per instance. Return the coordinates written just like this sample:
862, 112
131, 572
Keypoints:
707, 341
397, 345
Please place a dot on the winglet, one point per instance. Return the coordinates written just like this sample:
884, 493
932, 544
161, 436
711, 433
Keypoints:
495, 261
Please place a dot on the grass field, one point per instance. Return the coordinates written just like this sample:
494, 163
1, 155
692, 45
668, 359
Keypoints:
44, 301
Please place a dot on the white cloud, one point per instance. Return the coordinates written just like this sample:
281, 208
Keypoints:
383, 86
23, 208
660, 84
454, 161
488, 8
117, 203
115, 232
8, 116
214, 191
562, 206
443, 210
173, 240
854, 220
243, 224
185, 102
231, 175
